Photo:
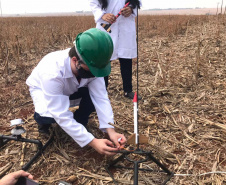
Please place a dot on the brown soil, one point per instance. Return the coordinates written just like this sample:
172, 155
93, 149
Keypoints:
182, 81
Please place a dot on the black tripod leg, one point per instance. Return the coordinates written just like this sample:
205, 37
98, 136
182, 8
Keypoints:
40, 150
169, 177
48, 142
135, 173
159, 164
171, 174
111, 175
116, 160
4, 140
26, 166
121, 157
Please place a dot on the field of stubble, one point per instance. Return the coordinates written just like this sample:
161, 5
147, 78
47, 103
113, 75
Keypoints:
182, 79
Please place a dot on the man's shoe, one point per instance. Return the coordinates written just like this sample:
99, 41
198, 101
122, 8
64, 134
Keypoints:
44, 128
130, 95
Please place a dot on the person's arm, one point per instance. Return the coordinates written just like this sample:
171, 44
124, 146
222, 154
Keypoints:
127, 11
96, 9
12, 178
118, 139
101, 102
103, 146
109, 17
104, 111
58, 106
130, 10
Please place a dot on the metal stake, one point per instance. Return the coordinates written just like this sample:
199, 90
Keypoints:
148, 155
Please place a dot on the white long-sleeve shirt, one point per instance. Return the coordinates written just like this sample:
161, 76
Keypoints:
123, 31
50, 85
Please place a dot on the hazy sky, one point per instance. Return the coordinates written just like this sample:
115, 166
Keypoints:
45, 6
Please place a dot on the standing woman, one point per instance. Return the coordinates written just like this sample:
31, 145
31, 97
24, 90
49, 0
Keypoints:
123, 34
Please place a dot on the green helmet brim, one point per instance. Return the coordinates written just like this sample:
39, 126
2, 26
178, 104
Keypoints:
100, 72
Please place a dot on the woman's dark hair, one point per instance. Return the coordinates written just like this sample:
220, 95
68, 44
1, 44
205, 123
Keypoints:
103, 3
133, 3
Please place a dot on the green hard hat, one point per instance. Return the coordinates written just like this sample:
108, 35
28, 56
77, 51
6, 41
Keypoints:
95, 48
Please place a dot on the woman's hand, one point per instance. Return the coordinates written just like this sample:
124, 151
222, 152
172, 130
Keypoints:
109, 17
127, 11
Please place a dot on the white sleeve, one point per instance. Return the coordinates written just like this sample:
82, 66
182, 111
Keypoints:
58, 105
99, 96
96, 9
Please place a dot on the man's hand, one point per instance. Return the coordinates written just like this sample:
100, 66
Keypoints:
12, 178
118, 139
103, 146
109, 17
127, 11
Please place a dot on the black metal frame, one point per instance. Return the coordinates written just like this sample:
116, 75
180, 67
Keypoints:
148, 156
5, 139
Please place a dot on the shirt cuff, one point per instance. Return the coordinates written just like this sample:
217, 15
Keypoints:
99, 15
90, 137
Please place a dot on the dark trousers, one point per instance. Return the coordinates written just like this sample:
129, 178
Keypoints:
86, 107
126, 73
44, 123
81, 115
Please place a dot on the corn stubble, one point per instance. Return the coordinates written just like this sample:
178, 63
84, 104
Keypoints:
181, 79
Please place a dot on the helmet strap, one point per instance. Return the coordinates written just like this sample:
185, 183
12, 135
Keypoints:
80, 57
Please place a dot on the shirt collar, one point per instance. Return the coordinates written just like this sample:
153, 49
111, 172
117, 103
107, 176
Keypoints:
67, 70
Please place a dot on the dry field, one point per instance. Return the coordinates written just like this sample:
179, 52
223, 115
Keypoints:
182, 78
198, 11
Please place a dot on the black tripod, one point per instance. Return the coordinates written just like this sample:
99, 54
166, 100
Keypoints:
16, 136
144, 155
147, 156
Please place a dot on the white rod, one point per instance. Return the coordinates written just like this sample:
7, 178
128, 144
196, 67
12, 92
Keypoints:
135, 117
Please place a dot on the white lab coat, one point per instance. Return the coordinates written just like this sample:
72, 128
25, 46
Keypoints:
123, 31
51, 83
